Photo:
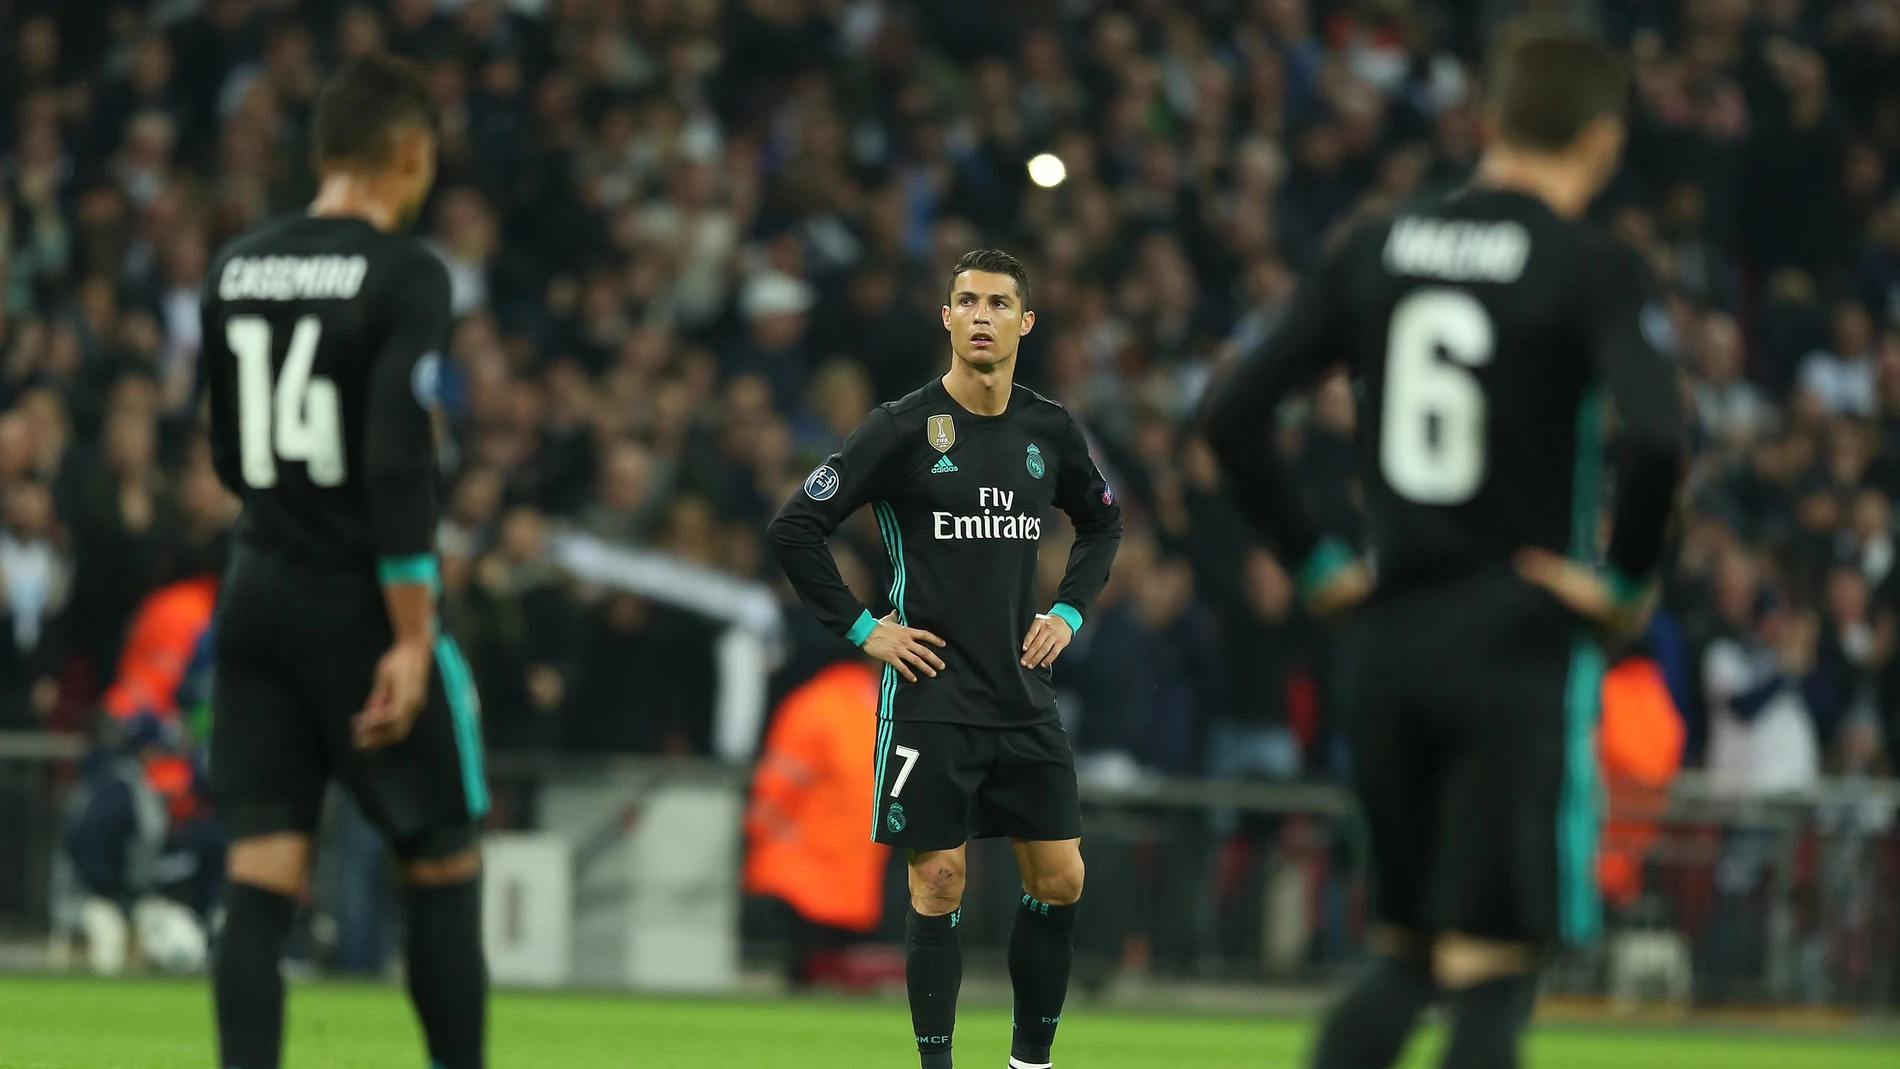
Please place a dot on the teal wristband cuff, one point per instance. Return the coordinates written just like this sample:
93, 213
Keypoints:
1624, 591
862, 629
1068, 613
415, 568
1322, 564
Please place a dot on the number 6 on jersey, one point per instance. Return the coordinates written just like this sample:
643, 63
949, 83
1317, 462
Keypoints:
302, 410
1432, 427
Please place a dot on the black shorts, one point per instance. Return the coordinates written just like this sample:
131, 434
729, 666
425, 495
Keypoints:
296, 654
1471, 710
940, 785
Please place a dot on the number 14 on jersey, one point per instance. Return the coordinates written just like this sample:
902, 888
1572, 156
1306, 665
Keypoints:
299, 419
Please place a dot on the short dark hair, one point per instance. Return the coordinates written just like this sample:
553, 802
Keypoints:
363, 105
1546, 86
995, 262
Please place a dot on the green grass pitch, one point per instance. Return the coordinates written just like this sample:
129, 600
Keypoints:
87, 1024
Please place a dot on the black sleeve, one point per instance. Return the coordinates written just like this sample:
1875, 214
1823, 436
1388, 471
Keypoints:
215, 368
1239, 421
834, 490
399, 449
1090, 503
1630, 323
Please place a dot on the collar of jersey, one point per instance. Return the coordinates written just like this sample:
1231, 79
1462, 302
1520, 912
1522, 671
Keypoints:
1016, 396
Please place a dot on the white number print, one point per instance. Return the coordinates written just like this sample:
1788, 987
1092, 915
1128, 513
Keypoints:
303, 410
1427, 393
909, 754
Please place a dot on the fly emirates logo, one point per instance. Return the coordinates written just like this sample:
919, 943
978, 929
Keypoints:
992, 523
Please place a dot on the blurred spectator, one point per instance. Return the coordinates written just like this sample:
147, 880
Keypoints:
628, 505
1269, 705
125, 514
1147, 669
37, 577
1842, 376
521, 630
1730, 410
1762, 736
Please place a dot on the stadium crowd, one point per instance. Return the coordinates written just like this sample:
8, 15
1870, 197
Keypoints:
692, 241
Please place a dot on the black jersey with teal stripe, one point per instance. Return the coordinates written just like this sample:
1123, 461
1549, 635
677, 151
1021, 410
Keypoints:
961, 503
1484, 334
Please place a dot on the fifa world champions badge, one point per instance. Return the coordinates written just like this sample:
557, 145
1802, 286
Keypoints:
942, 432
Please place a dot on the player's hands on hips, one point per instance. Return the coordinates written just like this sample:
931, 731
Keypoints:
1584, 591
395, 699
906, 649
1047, 638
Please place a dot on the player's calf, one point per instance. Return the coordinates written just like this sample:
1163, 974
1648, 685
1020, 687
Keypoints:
1368, 1028
933, 956
1491, 989
1042, 946
266, 874
442, 949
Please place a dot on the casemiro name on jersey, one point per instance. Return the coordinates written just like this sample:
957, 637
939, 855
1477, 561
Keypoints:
292, 278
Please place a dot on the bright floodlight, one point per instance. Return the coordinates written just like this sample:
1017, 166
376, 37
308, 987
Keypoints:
1047, 170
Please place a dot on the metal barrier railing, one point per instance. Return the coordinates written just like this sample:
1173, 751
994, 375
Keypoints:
1791, 899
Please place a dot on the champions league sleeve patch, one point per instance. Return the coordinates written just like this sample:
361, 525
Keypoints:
1108, 494
822, 483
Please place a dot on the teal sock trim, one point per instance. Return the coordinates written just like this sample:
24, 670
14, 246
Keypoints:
1069, 614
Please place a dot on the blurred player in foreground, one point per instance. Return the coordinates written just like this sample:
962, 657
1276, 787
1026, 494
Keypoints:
322, 339
1481, 329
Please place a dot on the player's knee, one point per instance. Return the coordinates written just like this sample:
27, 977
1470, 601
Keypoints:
278, 862
1460, 961
458, 867
936, 882
1059, 886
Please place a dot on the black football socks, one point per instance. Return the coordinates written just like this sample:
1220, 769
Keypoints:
246, 980
1041, 951
1368, 1028
448, 977
1486, 1021
933, 970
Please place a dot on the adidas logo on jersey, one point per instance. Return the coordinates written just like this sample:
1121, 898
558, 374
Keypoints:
943, 465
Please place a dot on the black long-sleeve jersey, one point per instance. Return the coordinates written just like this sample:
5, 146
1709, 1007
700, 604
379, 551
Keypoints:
321, 360
1480, 329
960, 500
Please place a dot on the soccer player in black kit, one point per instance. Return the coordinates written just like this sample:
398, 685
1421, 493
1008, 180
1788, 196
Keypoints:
1481, 329
322, 340
960, 476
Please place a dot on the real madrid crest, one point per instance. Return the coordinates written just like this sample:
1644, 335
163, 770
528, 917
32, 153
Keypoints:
1034, 462
942, 432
